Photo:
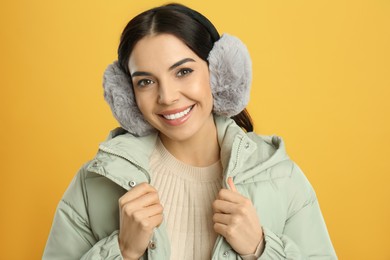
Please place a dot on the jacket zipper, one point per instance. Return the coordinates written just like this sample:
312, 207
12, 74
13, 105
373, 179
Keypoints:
235, 165
238, 154
225, 183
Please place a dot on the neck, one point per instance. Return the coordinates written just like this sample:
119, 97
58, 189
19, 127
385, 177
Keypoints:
200, 150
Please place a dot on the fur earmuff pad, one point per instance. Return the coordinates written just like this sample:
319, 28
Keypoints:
230, 79
119, 94
230, 75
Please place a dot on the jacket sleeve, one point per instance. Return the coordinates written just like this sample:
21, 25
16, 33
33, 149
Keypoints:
305, 235
70, 236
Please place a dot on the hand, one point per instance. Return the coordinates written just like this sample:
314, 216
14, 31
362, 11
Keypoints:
140, 213
235, 218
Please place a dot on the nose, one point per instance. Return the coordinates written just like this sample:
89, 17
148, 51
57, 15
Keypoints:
168, 93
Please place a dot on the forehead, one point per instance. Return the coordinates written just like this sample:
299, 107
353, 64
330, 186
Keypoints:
158, 51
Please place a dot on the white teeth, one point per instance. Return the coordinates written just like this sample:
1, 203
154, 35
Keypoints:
178, 115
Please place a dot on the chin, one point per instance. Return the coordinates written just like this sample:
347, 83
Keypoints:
178, 135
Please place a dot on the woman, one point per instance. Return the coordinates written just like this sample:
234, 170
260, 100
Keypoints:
191, 182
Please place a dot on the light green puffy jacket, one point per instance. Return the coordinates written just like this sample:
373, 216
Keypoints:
87, 218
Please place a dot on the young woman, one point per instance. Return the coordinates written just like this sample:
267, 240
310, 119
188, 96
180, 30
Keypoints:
191, 178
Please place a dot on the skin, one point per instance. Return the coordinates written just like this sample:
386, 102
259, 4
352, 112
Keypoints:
169, 77
235, 218
164, 89
140, 213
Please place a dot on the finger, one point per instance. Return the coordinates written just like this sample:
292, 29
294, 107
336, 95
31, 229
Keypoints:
231, 184
156, 220
229, 195
222, 206
144, 201
221, 218
153, 210
148, 223
156, 210
140, 214
147, 199
136, 192
220, 229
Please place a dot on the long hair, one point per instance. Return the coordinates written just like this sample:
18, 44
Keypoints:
194, 29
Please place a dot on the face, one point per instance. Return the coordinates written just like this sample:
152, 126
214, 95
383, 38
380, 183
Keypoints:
172, 87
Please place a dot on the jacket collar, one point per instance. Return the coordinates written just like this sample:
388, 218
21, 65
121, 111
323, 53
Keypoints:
240, 152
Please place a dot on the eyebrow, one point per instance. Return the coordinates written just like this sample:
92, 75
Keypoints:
177, 64
180, 62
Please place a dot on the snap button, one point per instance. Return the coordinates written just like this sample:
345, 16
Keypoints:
95, 164
246, 145
226, 253
132, 183
152, 244
275, 141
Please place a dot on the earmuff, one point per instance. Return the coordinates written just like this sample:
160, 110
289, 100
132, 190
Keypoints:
230, 69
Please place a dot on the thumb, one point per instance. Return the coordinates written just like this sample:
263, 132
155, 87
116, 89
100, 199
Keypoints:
231, 184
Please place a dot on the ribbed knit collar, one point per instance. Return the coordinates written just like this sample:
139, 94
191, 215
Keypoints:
183, 170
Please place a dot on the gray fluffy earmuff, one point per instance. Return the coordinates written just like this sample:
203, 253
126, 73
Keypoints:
230, 69
230, 75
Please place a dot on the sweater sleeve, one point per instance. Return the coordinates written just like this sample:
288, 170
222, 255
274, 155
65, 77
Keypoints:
305, 235
71, 236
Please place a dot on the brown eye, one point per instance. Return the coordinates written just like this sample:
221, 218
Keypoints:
144, 82
184, 72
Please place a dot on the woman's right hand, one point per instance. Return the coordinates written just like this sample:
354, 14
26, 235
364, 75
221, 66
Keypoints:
140, 213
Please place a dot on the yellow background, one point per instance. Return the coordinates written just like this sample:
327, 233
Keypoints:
321, 80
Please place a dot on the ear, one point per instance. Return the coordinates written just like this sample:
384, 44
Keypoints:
230, 75
119, 94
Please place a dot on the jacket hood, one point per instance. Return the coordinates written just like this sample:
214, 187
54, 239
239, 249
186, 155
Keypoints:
243, 155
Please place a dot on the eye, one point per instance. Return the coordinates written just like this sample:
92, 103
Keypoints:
183, 72
144, 82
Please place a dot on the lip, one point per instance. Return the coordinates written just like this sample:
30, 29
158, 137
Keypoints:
174, 111
178, 121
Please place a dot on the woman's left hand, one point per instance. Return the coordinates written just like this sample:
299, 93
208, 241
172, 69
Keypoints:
235, 218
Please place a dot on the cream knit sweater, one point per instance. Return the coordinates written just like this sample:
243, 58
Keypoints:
186, 193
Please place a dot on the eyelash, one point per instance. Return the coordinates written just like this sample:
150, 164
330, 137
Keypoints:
142, 82
181, 73
187, 70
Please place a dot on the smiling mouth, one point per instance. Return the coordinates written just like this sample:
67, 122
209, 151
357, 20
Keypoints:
178, 115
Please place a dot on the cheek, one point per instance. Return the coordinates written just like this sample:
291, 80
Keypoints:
206, 90
202, 87
141, 100
208, 95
